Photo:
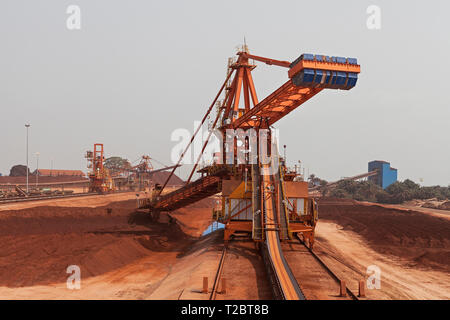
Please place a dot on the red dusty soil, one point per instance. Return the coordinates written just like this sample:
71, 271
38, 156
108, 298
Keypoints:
194, 219
421, 239
244, 273
161, 177
38, 244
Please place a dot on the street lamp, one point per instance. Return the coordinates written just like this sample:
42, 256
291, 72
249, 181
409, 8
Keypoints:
27, 126
37, 168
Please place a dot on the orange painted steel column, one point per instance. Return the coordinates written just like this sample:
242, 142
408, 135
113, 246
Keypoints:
246, 93
251, 86
237, 96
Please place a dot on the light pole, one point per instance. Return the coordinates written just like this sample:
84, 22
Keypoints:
37, 168
27, 126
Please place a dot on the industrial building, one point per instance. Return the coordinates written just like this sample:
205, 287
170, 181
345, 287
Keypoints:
386, 174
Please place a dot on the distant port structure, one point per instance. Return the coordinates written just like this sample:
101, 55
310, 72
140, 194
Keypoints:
386, 174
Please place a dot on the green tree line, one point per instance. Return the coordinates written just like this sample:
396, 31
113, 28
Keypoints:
397, 192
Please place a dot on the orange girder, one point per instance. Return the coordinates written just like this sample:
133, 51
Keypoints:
268, 61
275, 106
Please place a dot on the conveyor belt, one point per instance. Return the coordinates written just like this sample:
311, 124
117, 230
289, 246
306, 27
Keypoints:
287, 286
193, 192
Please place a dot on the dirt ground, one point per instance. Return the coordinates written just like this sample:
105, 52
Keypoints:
245, 273
38, 245
124, 255
421, 238
430, 203
411, 248
88, 201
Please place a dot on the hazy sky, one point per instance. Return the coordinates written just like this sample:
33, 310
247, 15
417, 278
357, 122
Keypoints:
138, 70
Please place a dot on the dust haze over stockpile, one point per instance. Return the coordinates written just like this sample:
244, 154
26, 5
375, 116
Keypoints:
135, 72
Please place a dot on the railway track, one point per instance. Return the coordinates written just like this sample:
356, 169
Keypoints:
326, 270
215, 288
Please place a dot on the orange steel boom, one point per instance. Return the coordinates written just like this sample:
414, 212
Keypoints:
289, 96
275, 106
